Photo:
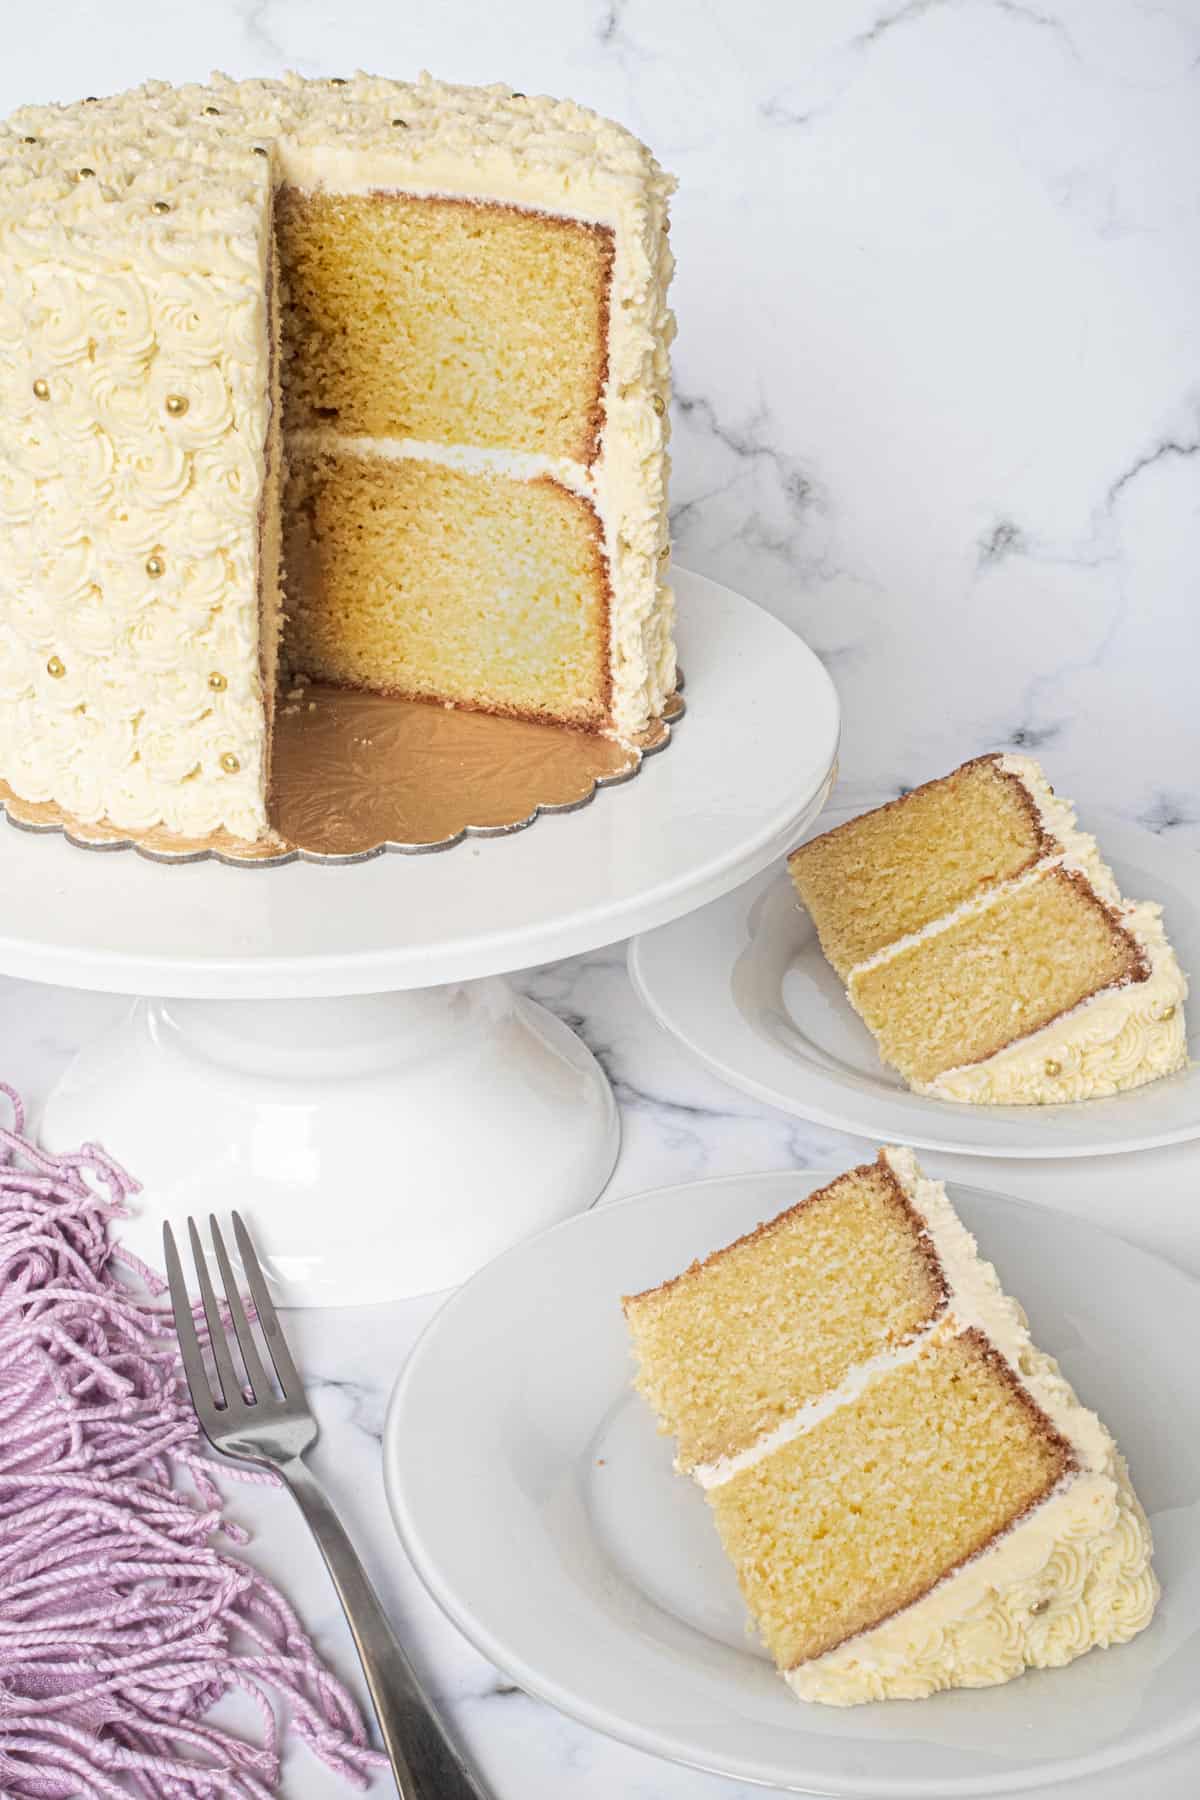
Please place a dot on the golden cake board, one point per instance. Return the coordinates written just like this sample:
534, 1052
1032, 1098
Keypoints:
355, 775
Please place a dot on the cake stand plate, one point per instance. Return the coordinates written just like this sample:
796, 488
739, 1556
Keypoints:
335, 1051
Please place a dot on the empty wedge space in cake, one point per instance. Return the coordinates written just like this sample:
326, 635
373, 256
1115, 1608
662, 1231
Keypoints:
985, 943
375, 375
912, 1496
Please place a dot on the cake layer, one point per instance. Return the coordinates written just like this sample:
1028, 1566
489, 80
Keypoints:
409, 577
892, 871
451, 320
986, 943
1073, 1574
863, 1513
961, 992
139, 446
722, 1363
945, 1512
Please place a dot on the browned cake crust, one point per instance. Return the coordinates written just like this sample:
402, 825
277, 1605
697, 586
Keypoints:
589, 444
533, 715
896, 1197
1065, 1465
1137, 964
587, 450
1046, 844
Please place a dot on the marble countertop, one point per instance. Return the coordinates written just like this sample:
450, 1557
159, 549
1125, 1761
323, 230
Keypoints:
937, 405
678, 1123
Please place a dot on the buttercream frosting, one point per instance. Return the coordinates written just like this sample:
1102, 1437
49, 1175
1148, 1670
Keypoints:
134, 400
1120, 1037
1071, 1574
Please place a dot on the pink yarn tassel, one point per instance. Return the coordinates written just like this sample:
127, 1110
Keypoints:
120, 1624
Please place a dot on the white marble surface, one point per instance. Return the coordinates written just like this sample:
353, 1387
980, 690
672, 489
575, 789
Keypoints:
938, 405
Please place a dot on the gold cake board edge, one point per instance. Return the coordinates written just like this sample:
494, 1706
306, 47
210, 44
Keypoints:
161, 846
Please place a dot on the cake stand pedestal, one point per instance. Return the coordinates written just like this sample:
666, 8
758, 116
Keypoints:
336, 1052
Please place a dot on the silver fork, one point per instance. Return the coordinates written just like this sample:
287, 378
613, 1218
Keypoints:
277, 1432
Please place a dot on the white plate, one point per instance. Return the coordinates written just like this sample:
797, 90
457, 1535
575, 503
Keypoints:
536, 1499
743, 983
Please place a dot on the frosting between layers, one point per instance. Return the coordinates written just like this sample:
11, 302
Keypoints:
1118, 1039
617, 184
516, 465
723, 1468
134, 235
1073, 1574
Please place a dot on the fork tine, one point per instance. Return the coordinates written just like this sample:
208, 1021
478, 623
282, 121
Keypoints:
254, 1367
229, 1386
268, 1318
185, 1330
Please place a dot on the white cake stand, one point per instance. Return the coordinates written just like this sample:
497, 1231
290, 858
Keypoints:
335, 1052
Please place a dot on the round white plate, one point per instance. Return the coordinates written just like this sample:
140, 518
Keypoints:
747, 770
743, 983
531, 1490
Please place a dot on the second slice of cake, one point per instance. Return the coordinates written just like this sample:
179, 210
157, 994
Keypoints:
910, 1491
985, 942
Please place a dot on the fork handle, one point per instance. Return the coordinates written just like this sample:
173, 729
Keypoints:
426, 1764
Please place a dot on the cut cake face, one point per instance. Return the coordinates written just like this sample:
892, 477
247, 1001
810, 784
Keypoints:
363, 380
911, 1495
985, 943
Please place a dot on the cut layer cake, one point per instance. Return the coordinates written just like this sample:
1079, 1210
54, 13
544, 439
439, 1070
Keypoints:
909, 1490
984, 941
363, 379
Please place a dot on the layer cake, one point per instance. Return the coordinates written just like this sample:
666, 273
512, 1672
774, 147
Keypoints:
363, 380
984, 941
909, 1490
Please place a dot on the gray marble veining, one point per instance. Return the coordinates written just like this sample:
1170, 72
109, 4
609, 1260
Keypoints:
938, 406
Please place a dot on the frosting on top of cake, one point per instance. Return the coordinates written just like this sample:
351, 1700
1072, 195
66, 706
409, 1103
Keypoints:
134, 245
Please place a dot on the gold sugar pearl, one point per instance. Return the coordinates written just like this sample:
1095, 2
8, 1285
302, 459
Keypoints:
230, 763
337, 81
56, 667
162, 206
91, 99
86, 174
403, 123
1052, 1067
1167, 1013
261, 150
660, 405
518, 96
29, 140
41, 389
217, 682
155, 566
177, 405
214, 112
664, 555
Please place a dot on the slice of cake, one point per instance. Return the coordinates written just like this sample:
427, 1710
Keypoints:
985, 943
911, 1493
365, 380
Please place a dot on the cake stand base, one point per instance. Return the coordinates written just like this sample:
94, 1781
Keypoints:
378, 1147
330, 1050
